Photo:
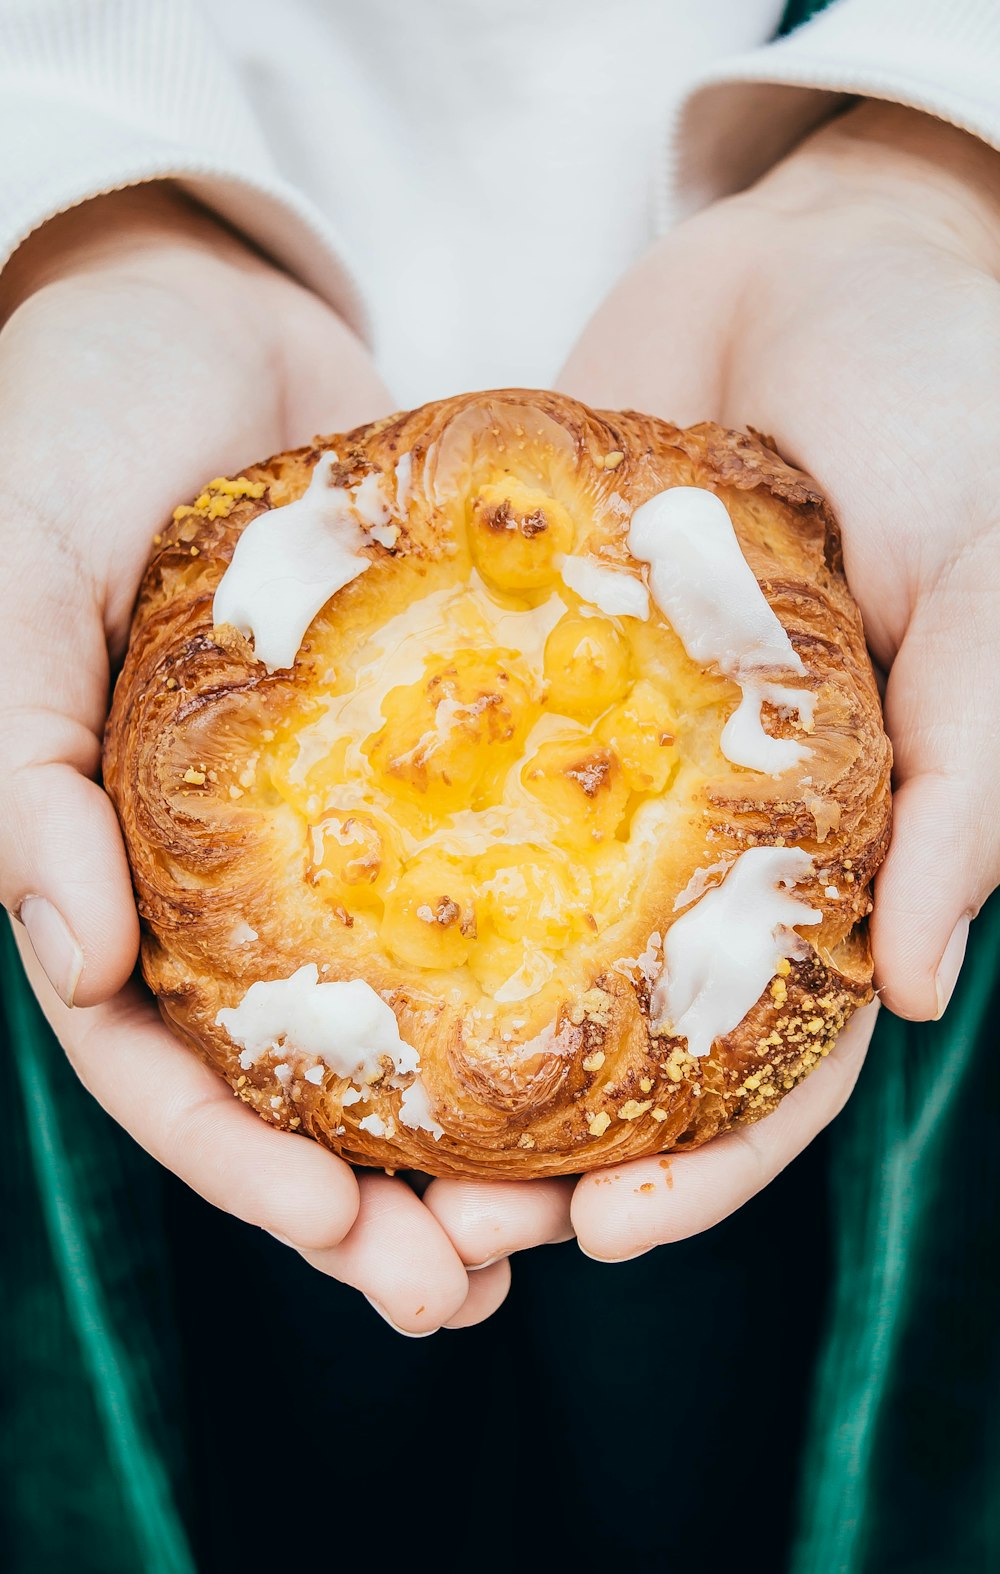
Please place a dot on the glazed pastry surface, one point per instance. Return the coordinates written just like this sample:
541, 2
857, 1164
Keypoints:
433, 797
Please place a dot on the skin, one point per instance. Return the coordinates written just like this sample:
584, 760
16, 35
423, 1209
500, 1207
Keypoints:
190, 357
847, 304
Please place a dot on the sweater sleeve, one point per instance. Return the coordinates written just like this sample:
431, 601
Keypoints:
97, 95
744, 113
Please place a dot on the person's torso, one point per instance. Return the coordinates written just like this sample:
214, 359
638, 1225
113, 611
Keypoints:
492, 165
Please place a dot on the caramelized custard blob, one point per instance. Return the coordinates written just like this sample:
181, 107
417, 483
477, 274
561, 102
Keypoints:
485, 756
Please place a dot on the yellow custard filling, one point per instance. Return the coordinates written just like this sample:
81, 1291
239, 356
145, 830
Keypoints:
485, 764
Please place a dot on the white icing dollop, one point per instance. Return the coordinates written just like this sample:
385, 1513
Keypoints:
699, 883
647, 962
287, 564
370, 500
415, 1110
404, 478
611, 590
720, 956
344, 1024
375, 509
744, 740
707, 591
241, 934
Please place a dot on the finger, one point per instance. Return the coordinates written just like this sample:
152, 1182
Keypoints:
944, 857
487, 1220
621, 1213
929, 887
399, 1257
487, 1291
187, 1118
62, 863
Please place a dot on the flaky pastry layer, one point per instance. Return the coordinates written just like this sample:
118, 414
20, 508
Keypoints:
497, 884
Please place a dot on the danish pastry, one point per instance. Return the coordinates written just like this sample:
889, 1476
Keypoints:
503, 784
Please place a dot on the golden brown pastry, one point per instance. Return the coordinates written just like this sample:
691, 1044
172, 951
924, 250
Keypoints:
508, 804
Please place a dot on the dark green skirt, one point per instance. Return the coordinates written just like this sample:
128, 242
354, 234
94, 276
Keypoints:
811, 1387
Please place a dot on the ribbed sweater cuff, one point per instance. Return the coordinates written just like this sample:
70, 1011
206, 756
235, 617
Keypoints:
740, 117
105, 94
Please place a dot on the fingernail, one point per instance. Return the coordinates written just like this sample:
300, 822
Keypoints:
54, 944
406, 1332
477, 1267
951, 965
610, 1261
283, 1239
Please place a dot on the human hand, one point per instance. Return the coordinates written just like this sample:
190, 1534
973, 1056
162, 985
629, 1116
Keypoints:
848, 305
146, 348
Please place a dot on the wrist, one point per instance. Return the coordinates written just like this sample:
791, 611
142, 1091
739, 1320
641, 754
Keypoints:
119, 228
902, 164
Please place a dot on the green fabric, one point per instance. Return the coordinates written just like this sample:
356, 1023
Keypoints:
904, 1454
87, 1448
903, 1443
800, 11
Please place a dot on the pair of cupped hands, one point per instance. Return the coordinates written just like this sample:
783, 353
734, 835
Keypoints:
848, 304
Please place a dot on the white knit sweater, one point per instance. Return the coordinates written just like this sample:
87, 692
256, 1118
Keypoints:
464, 179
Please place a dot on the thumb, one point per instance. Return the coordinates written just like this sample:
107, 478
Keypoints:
944, 857
63, 870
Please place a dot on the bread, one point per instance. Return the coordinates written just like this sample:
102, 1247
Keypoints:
452, 870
